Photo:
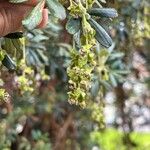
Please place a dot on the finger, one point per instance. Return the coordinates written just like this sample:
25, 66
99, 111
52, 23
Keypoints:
44, 19
31, 2
11, 18
43, 22
5, 3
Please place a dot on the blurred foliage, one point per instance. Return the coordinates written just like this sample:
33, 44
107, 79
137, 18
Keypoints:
34, 112
111, 139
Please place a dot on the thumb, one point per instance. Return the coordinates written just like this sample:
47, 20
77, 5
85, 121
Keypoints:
12, 15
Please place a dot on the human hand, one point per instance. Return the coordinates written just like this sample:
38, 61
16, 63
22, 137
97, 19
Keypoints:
11, 16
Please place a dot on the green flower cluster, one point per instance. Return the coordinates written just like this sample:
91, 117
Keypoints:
83, 59
79, 72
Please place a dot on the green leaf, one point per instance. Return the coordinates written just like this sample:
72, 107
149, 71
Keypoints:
34, 18
103, 1
17, 1
101, 35
113, 80
56, 9
8, 63
73, 25
103, 12
15, 35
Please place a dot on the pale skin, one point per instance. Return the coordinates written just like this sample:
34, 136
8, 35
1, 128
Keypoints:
11, 16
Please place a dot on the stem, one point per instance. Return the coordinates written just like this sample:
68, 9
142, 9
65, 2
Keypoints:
24, 50
86, 3
71, 2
